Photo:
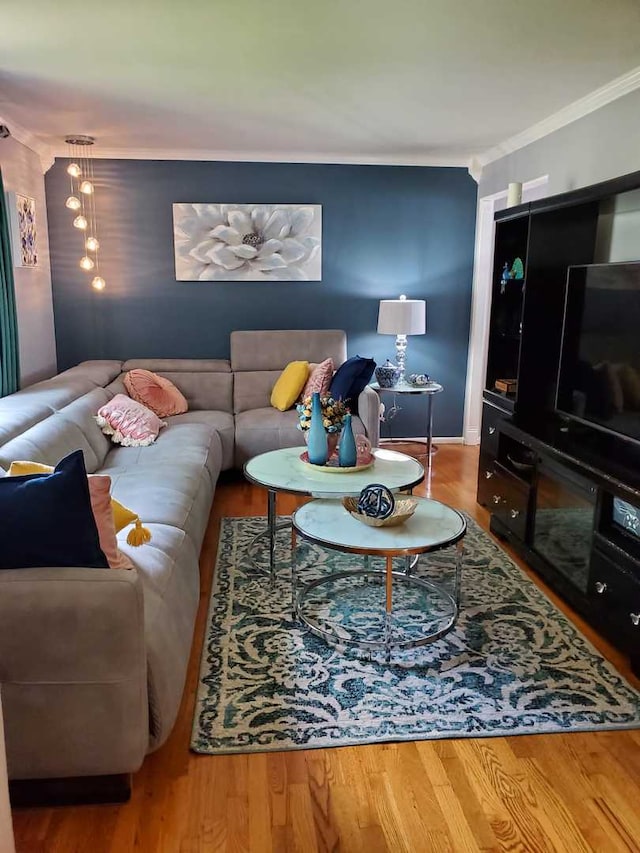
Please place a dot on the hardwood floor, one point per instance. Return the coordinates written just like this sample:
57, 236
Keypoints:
578, 792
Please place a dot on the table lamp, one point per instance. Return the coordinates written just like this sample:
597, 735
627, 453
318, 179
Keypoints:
402, 317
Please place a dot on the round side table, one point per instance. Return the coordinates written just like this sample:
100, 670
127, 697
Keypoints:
429, 390
283, 471
340, 615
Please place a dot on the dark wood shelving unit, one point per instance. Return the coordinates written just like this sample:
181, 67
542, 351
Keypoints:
537, 475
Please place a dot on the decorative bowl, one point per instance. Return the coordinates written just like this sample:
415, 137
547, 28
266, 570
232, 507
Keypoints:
332, 466
404, 509
419, 380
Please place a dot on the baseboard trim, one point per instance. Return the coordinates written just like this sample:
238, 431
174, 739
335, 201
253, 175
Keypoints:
437, 439
72, 791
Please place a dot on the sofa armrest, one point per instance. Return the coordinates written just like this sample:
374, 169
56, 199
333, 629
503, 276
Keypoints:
369, 411
73, 671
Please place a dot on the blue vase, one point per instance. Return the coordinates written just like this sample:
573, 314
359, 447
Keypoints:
317, 440
347, 452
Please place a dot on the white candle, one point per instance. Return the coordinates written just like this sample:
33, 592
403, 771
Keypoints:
514, 194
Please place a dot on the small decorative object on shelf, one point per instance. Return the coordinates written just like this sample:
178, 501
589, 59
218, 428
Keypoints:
419, 379
514, 194
363, 447
347, 452
506, 386
317, 441
506, 275
387, 374
376, 501
403, 510
517, 270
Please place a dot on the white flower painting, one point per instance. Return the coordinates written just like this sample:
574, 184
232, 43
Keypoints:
248, 242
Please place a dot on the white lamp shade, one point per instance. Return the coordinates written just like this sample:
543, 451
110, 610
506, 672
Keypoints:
402, 317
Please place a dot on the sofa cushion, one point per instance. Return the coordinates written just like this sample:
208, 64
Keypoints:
169, 570
155, 392
289, 385
319, 379
107, 511
273, 350
221, 422
179, 443
350, 379
26, 408
81, 413
47, 520
252, 389
97, 371
50, 441
177, 494
207, 384
122, 516
261, 430
128, 422
178, 365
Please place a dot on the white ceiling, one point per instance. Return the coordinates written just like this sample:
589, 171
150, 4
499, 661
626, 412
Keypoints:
372, 80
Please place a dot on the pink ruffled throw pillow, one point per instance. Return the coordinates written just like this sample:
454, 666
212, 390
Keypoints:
128, 422
155, 392
319, 379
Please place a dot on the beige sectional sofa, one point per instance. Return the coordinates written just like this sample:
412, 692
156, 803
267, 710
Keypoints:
93, 661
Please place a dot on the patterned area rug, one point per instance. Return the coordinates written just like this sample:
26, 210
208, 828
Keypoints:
512, 665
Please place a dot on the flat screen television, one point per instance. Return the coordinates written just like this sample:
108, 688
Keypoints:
599, 376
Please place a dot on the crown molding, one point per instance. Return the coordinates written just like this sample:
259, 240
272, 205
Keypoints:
105, 153
29, 140
617, 88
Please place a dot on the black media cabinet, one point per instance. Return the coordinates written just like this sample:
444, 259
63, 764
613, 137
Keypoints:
550, 484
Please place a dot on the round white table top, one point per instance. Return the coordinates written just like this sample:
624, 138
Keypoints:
284, 471
408, 388
433, 525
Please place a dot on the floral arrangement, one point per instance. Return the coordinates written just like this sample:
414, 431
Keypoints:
333, 413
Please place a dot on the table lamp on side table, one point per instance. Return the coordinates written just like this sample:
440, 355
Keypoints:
402, 317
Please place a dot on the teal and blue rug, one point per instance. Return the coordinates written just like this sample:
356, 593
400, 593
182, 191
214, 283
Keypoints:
514, 664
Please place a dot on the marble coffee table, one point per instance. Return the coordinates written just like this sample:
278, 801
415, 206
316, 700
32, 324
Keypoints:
283, 471
347, 608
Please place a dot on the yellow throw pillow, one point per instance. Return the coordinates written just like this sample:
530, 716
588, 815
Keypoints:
122, 517
289, 385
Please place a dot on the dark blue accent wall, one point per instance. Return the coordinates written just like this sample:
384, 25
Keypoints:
386, 230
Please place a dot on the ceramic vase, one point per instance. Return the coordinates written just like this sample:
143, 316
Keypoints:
317, 448
347, 453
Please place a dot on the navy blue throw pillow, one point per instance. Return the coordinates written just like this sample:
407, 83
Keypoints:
351, 377
46, 519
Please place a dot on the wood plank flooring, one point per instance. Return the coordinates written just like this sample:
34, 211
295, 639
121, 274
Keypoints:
578, 792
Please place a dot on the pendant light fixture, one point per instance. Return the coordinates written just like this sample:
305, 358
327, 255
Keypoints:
82, 202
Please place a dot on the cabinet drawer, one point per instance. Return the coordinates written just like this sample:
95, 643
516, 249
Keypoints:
615, 593
486, 478
491, 417
510, 500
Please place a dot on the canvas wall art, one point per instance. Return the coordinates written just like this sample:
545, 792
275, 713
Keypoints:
22, 222
248, 242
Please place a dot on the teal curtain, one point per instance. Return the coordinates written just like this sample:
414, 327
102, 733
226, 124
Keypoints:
9, 363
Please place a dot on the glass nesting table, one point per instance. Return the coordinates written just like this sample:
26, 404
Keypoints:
283, 471
355, 606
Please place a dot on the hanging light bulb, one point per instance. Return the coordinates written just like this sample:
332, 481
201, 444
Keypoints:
74, 170
87, 263
80, 222
98, 283
92, 244
73, 203
86, 187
